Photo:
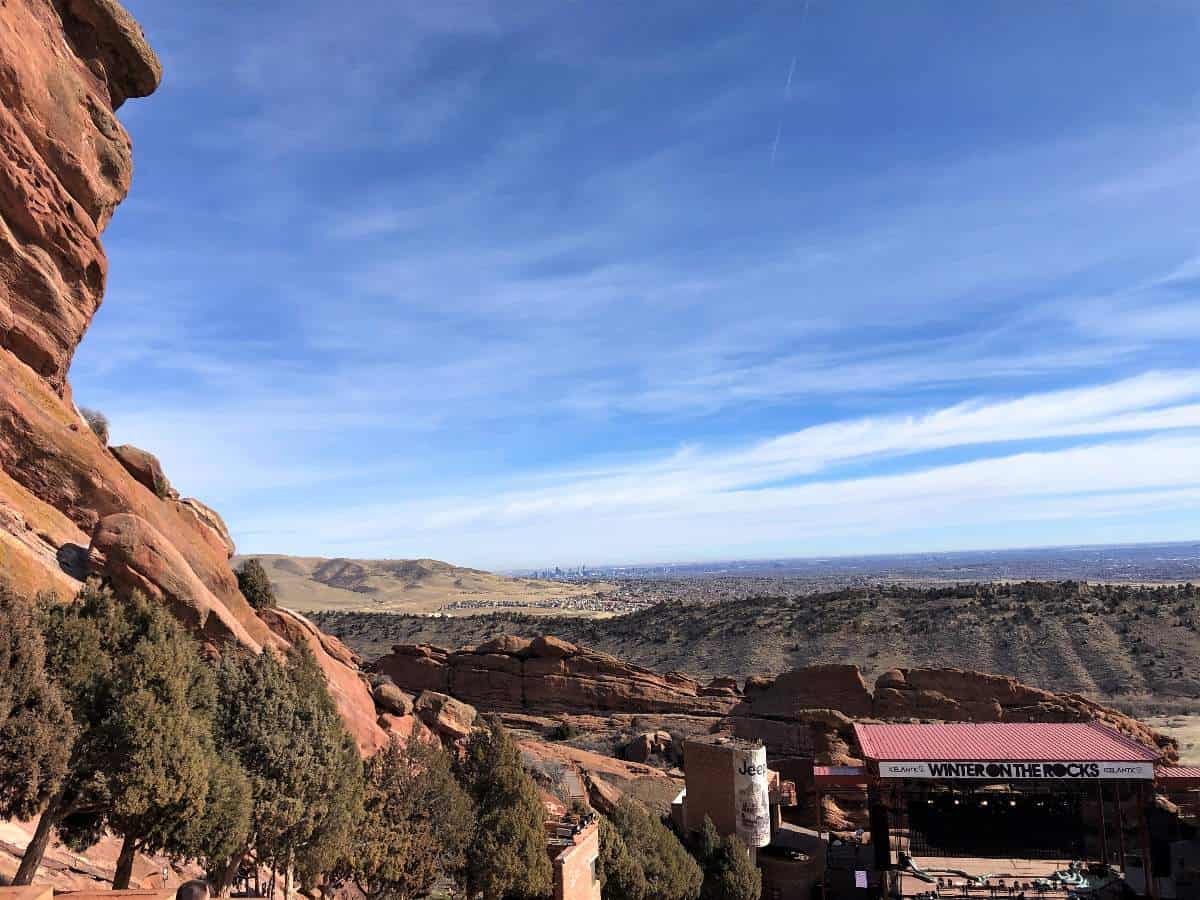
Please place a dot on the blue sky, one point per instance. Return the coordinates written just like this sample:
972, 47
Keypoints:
523, 283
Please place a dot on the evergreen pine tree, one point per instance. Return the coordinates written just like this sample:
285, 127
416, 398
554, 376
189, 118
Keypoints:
255, 585
620, 876
280, 725
417, 826
670, 871
36, 729
728, 872
139, 762
507, 858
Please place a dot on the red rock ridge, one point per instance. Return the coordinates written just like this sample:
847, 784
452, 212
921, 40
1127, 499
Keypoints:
548, 675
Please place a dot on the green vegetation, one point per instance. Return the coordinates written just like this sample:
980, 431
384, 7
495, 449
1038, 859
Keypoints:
96, 421
417, 823
36, 729
112, 722
277, 722
138, 764
507, 855
665, 870
255, 585
728, 872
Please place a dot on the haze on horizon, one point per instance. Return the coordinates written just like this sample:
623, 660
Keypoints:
517, 284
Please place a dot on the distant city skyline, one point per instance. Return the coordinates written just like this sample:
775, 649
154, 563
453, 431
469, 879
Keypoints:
511, 283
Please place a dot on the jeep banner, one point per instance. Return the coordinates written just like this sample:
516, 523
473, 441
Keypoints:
1017, 771
752, 796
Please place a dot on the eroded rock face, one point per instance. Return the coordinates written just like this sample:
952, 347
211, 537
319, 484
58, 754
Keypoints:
838, 687
449, 719
546, 675
65, 164
129, 552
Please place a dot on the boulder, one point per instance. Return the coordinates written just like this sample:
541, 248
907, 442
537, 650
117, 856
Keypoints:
145, 468
130, 552
831, 686
448, 718
648, 744
390, 699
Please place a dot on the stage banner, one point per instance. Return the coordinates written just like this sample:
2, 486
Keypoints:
1017, 771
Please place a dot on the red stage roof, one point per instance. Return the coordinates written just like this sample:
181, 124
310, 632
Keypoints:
1189, 773
1000, 742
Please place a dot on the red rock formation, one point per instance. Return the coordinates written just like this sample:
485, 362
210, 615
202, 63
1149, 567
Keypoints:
145, 468
449, 719
65, 164
804, 712
132, 555
831, 686
547, 675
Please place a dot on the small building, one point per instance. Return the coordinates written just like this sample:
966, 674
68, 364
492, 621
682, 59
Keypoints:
573, 843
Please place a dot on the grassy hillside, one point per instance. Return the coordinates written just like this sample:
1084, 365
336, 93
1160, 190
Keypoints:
1138, 646
309, 583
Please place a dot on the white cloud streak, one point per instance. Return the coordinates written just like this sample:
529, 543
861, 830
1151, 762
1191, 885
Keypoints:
1131, 446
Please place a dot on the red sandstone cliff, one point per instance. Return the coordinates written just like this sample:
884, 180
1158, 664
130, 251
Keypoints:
550, 676
69, 505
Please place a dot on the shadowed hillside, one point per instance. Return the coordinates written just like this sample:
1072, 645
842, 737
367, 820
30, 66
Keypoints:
1135, 646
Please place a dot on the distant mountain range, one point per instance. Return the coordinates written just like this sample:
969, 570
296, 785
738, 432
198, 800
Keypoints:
311, 583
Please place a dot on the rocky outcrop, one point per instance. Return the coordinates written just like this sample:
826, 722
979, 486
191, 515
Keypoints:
390, 699
206, 517
648, 744
145, 468
132, 555
547, 675
449, 719
804, 712
839, 687
65, 164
